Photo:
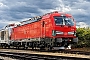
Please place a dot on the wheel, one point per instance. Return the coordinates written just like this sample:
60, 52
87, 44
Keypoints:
17, 47
48, 48
8, 46
25, 47
42, 48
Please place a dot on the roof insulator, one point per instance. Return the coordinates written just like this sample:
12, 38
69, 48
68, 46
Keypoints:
55, 12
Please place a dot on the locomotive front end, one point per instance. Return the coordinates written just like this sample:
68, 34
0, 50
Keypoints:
64, 31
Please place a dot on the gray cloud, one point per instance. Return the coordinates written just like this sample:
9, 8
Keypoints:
17, 10
79, 9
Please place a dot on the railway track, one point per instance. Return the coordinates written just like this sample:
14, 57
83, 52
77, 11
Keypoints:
25, 56
78, 52
60, 51
61, 54
71, 52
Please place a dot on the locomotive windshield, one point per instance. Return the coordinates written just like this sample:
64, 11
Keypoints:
63, 21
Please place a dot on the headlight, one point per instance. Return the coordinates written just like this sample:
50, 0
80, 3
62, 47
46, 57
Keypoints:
74, 33
53, 33
70, 32
58, 32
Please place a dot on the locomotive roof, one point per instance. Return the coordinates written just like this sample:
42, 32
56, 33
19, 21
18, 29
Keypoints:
47, 15
37, 18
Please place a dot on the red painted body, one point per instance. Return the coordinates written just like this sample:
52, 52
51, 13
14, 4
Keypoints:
43, 28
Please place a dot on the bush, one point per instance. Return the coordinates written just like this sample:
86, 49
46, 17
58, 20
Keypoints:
83, 35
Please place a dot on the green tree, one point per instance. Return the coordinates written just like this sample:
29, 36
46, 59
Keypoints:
83, 35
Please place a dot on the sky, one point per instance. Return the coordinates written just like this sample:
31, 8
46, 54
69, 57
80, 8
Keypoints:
14, 11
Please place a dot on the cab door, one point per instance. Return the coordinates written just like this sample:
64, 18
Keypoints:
43, 29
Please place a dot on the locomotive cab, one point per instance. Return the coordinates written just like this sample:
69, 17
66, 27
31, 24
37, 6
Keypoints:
4, 37
64, 32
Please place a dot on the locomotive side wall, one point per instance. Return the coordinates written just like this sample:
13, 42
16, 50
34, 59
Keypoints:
38, 29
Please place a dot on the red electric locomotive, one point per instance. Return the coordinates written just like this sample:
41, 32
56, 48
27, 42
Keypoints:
55, 30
